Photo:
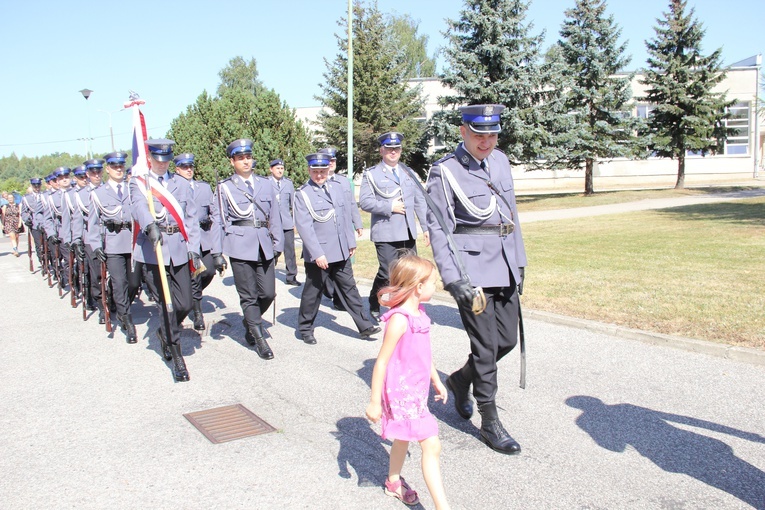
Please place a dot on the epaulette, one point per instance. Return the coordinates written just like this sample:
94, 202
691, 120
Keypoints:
286, 178
448, 156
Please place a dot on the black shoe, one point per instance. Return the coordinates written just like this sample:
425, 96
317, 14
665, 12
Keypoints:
294, 283
180, 372
309, 339
338, 305
126, 323
163, 347
263, 349
247, 335
101, 317
257, 336
493, 434
199, 320
462, 402
372, 330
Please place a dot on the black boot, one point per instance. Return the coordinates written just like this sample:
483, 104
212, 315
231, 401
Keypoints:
101, 315
459, 384
126, 321
199, 320
164, 347
261, 345
493, 433
179, 366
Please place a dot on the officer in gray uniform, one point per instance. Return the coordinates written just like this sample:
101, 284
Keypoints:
110, 237
285, 196
389, 194
253, 234
210, 234
472, 189
58, 222
325, 226
76, 222
49, 236
94, 168
33, 216
177, 231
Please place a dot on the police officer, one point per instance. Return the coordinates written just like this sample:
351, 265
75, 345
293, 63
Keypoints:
94, 169
389, 194
76, 222
174, 226
325, 226
253, 232
32, 214
110, 237
210, 234
58, 222
285, 196
473, 192
48, 235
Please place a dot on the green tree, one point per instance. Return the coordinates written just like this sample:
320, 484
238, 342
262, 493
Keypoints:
382, 99
597, 100
687, 114
493, 58
210, 124
414, 48
241, 75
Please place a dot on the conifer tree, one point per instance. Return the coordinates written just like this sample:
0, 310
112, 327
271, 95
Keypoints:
688, 115
382, 99
598, 99
493, 58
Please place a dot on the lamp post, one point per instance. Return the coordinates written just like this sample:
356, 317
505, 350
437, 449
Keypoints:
111, 131
86, 94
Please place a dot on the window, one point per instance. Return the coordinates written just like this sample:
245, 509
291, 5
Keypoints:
738, 141
644, 110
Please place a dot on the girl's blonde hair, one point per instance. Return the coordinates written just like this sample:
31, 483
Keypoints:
405, 274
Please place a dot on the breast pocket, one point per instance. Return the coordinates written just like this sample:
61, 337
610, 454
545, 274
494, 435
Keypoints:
480, 197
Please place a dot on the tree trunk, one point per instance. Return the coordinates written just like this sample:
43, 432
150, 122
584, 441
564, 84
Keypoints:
680, 184
588, 187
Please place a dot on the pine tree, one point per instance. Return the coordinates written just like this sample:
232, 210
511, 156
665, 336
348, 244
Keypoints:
210, 124
382, 99
688, 115
597, 100
493, 58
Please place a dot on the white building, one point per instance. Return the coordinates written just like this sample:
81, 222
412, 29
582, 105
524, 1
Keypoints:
741, 161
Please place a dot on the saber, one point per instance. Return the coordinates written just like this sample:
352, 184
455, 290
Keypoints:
479, 299
104, 299
58, 270
83, 295
29, 250
46, 262
72, 298
523, 345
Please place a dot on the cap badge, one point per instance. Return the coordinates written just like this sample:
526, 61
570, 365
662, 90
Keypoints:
488, 111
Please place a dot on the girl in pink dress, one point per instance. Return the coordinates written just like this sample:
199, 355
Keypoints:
402, 376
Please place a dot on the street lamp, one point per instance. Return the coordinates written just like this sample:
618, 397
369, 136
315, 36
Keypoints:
111, 131
86, 94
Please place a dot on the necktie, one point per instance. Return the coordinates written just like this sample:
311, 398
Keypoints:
279, 185
160, 181
249, 187
326, 191
484, 166
119, 191
395, 175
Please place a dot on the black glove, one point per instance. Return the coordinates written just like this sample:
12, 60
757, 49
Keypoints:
52, 240
153, 233
220, 263
195, 259
462, 292
100, 254
79, 249
522, 271
28, 223
277, 254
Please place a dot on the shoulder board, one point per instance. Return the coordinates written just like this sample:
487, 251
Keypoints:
499, 150
448, 156
286, 178
261, 177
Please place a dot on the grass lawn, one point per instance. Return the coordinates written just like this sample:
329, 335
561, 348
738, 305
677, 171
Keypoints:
693, 271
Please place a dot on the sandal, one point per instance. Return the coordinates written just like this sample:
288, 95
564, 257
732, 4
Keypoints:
408, 496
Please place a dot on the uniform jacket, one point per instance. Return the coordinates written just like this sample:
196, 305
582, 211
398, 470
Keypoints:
32, 206
244, 242
333, 238
350, 199
82, 208
57, 218
488, 259
105, 207
285, 195
175, 249
75, 215
207, 211
386, 226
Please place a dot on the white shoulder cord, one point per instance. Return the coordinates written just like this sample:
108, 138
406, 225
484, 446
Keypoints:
113, 213
246, 213
380, 192
69, 202
312, 211
472, 209
81, 205
53, 206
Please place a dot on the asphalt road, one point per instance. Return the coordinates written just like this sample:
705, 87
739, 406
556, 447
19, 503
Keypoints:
606, 421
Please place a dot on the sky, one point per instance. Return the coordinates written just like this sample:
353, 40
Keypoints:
171, 51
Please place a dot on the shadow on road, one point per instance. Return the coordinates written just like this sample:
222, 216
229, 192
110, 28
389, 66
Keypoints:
671, 448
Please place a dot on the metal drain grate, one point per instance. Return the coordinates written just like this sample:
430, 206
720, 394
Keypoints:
228, 423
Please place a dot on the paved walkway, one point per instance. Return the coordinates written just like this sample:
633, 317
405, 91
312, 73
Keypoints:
89, 421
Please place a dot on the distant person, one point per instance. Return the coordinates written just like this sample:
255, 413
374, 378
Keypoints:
285, 196
390, 195
12, 221
402, 377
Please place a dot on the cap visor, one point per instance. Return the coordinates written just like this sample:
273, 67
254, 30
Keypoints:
485, 129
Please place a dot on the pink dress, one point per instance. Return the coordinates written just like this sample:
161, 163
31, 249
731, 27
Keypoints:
405, 413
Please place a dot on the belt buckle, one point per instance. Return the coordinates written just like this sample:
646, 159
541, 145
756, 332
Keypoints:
505, 229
